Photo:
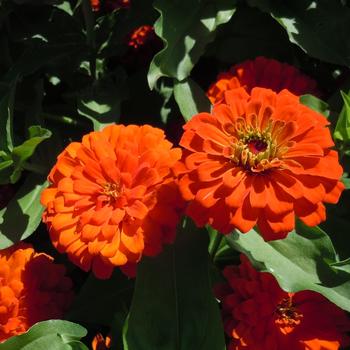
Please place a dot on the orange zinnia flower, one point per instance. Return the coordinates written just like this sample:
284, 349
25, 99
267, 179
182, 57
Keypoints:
32, 289
259, 159
259, 315
113, 198
262, 72
101, 343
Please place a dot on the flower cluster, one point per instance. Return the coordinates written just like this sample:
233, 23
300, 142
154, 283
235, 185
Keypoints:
258, 314
101, 343
32, 289
110, 5
259, 159
140, 36
262, 72
113, 198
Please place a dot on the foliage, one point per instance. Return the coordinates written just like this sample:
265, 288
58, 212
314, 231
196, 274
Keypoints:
53, 334
67, 69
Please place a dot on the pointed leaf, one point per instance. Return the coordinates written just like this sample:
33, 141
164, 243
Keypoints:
190, 98
315, 103
22, 215
6, 119
173, 306
307, 24
186, 27
302, 261
101, 102
52, 334
342, 129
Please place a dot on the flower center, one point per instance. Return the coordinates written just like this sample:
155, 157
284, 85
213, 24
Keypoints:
256, 146
111, 190
287, 313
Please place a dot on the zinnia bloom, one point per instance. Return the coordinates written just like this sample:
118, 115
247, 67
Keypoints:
32, 289
140, 36
259, 159
101, 343
117, 4
259, 315
113, 198
262, 72
95, 5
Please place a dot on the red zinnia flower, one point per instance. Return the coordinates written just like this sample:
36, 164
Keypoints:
95, 5
140, 36
259, 315
32, 289
117, 4
113, 198
262, 72
259, 159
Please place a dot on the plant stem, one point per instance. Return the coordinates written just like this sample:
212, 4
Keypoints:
89, 19
34, 168
64, 120
215, 243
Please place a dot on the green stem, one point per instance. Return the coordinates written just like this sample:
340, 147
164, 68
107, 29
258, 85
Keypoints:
89, 19
64, 120
34, 168
215, 243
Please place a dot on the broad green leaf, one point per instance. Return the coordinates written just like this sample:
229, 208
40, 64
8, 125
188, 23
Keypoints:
342, 129
101, 102
302, 261
186, 27
315, 103
54, 40
249, 33
22, 215
48, 335
190, 98
165, 90
309, 26
114, 295
173, 306
6, 119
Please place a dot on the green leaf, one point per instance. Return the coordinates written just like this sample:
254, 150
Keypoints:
346, 180
114, 295
22, 215
315, 103
190, 98
343, 265
6, 119
54, 40
186, 27
173, 306
342, 129
21, 153
52, 334
302, 261
101, 102
307, 24
165, 90
249, 33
